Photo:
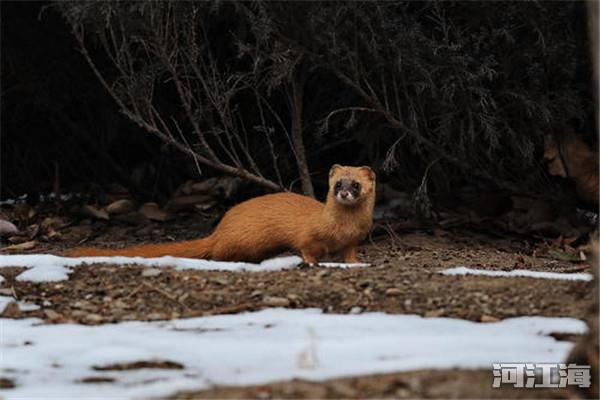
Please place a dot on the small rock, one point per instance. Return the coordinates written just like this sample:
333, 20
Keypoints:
120, 207
488, 318
182, 202
153, 212
356, 310
155, 316
434, 313
323, 273
94, 318
52, 223
256, 293
150, 272
342, 390
393, 291
263, 395
118, 304
84, 305
220, 281
274, 301
91, 211
52, 234
11, 310
7, 228
222, 187
52, 315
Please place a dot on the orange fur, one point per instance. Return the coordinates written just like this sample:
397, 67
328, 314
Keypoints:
267, 225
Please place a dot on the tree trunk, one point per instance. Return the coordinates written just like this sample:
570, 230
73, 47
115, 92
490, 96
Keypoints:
297, 98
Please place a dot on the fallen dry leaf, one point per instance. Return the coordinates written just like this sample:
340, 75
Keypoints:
21, 246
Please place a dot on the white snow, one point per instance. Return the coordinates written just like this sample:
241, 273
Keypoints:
23, 306
50, 268
579, 276
4, 301
48, 361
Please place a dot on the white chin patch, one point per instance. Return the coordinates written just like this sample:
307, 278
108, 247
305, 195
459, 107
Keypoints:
347, 201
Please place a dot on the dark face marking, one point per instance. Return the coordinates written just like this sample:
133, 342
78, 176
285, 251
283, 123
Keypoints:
347, 190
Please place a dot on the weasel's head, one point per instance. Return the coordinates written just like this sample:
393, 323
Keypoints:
351, 185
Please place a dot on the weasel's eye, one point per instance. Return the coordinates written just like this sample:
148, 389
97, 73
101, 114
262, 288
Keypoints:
355, 185
338, 186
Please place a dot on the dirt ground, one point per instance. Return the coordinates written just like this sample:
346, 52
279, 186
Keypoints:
403, 279
448, 384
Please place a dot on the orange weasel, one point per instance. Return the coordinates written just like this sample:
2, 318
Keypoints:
267, 225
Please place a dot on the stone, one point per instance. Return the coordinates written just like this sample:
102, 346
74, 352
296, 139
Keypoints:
153, 212
393, 291
120, 207
97, 213
7, 228
150, 272
183, 202
274, 301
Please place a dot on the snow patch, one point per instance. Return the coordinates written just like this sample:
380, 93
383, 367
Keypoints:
4, 301
254, 348
50, 268
23, 306
579, 276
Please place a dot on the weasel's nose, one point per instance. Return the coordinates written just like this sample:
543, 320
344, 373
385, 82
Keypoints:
344, 194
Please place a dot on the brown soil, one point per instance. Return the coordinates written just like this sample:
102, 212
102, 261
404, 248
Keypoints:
139, 365
404, 279
431, 384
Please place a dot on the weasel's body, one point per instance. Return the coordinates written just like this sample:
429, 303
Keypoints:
265, 226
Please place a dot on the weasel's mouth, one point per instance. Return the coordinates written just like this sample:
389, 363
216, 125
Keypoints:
346, 198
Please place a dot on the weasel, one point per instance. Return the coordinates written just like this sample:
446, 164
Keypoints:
264, 226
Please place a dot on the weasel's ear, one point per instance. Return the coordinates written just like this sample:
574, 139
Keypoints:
333, 168
368, 171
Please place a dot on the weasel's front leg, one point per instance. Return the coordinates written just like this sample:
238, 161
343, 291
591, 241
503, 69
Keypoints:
350, 255
310, 258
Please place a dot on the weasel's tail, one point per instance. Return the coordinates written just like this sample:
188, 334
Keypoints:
199, 248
